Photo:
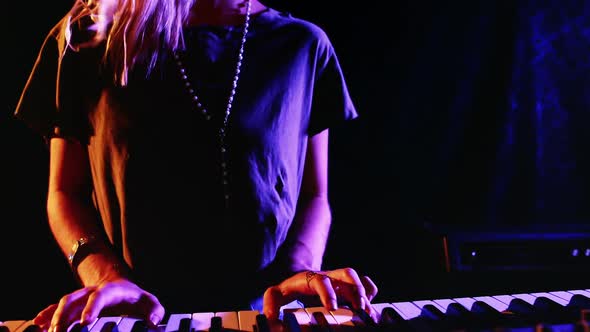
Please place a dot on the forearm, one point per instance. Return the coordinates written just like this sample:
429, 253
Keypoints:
307, 239
71, 218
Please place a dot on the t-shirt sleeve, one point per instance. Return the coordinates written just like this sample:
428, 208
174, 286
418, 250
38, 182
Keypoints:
331, 103
51, 102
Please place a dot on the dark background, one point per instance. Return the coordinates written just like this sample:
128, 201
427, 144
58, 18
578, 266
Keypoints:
473, 118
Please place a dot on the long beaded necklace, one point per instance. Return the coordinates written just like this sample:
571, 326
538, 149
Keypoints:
203, 110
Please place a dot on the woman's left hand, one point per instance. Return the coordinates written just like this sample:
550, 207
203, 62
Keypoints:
333, 287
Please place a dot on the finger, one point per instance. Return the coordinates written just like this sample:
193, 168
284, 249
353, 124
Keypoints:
272, 301
370, 310
322, 285
154, 309
371, 289
366, 293
110, 294
349, 281
94, 305
68, 309
113, 294
367, 307
128, 299
349, 292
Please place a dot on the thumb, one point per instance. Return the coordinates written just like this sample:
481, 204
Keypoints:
43, 318
272, 302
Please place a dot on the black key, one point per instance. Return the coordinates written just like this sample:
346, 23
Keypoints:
545, 304
365, 318
521, 307
432, 312
139, 326
554, 312
390, 316
216, 324
291, 323
446, 321
262, 323
109, 327
458, 310
483, 309
320, 323
525, 312
33, 328
579, 301
491, 318
77, 327
185, 325
464, 318
391, 320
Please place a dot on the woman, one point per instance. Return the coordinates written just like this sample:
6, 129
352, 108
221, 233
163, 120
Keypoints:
188, 157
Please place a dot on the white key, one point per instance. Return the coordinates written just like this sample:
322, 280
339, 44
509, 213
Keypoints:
580, 292
12, 325
24, 326
498, 305
567, 295
301, 316
345, 317
563, 295
126, 324
173, 323
380, 306
467, 302
526, 297
421, 303
551, 297
444, 303
292, 305
311, 310
247, 319
229, 319
85, 329
408, 310
102, 321
504, 298
201, 321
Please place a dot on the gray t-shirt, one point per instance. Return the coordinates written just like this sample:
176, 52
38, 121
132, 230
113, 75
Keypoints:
155, 160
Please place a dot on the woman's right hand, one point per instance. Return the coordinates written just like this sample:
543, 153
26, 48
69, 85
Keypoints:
116, 298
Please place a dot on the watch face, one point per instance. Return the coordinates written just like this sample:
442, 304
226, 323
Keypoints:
76, 246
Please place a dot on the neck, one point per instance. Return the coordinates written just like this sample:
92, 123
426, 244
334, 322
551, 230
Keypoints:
222, 12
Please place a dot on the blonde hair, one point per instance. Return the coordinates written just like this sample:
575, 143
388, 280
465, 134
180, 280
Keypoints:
134, 31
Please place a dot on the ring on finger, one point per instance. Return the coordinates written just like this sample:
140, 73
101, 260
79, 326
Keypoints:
309, 275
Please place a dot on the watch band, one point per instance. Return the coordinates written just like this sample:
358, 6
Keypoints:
80, 249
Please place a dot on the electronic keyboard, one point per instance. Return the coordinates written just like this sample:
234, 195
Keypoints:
562, 310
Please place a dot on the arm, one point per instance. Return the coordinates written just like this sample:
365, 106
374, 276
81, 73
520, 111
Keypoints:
72, 216
71, 213
306, 245
308, 236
